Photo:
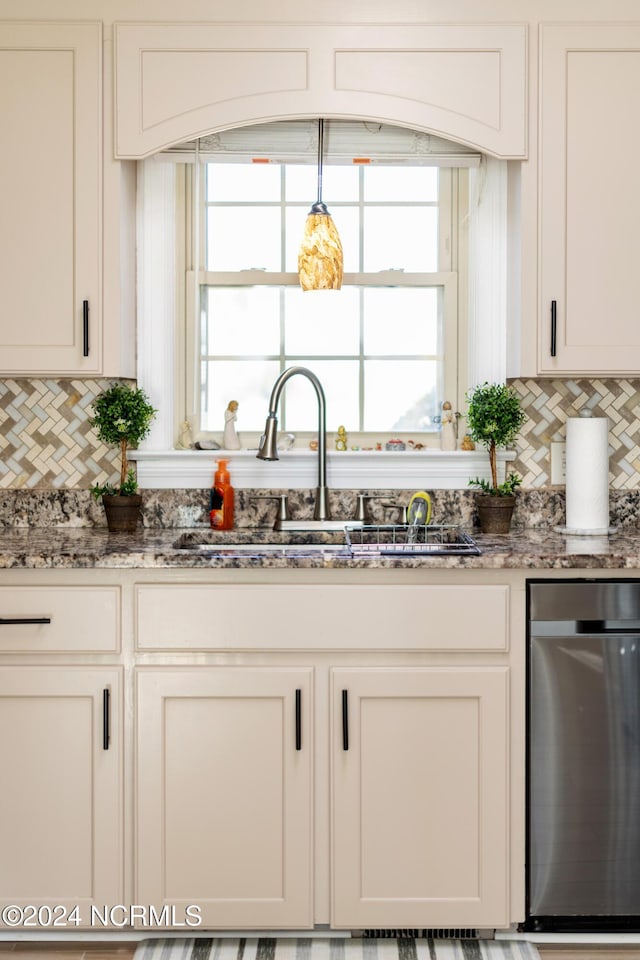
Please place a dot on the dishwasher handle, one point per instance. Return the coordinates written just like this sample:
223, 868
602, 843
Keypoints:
607, 627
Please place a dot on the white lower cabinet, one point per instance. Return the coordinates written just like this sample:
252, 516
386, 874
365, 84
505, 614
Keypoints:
419, 797
324, 769
389, 806
418, 777
61, 797
224, 794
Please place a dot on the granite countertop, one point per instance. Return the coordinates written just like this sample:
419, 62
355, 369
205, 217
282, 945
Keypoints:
59, 547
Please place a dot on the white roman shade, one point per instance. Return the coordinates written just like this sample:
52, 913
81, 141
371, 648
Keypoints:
345, 142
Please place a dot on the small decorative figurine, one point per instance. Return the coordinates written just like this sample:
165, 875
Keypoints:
341, 439
230, 439
185, 439
448, 428
467, 443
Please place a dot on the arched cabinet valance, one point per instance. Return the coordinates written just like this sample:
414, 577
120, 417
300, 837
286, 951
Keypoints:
175, 82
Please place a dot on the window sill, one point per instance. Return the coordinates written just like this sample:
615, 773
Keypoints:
348, 470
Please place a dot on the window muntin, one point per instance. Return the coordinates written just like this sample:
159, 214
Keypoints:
384, 346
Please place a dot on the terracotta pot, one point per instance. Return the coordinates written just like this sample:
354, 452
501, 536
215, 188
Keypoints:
123, 513
494, 513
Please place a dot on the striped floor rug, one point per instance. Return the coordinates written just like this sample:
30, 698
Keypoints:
330, 948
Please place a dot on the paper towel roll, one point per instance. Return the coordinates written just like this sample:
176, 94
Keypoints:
587, 474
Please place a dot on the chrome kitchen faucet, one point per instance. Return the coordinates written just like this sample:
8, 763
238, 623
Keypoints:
268, 450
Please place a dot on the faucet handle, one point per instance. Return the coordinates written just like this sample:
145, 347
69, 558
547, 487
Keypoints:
400, 507
361, 510
283, 505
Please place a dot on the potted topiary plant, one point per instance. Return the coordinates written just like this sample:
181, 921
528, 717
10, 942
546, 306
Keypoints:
494, 418
122, 416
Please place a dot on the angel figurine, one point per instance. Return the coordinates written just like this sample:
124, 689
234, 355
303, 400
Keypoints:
230, 439
448, 439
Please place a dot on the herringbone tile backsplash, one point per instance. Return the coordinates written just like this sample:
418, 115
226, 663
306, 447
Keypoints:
548, 403
46, 441
45, 438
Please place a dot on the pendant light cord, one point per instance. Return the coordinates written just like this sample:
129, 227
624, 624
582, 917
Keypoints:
320, 153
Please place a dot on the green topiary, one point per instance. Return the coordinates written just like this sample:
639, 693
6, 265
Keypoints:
122, 416
494, 418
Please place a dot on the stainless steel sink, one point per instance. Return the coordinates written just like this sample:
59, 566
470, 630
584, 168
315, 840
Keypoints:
207, 543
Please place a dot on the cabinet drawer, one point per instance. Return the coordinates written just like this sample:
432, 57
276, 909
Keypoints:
72, 619
350, 617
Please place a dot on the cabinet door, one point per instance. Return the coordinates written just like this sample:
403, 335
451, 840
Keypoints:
50, 187
420, 797
60, 803
589, 206
224, 794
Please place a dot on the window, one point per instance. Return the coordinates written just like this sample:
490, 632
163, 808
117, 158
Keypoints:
168, 340
385, 347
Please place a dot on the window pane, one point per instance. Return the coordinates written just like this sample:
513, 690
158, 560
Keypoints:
401, 238
321, 321
247, 381
400, 394
241, 321
248, 182
295, 218
339, 379
346, 221
417, 184
301, 183
401, 321
338, 184
243, 238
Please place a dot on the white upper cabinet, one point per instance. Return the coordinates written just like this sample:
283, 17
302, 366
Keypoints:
50, 188
589, 202
178, 81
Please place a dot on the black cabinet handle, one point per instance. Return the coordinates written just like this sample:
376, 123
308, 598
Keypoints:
8, 620
85, 328
554, 324
298, 719
345, 719
106, 726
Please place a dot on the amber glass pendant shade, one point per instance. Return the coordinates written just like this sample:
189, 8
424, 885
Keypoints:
320, 261
320, 257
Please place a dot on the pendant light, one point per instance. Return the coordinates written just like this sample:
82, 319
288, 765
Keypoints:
320, 258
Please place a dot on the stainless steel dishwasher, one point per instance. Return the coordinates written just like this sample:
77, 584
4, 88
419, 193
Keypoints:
583, 757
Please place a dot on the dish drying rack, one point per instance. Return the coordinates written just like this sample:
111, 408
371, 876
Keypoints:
400, 539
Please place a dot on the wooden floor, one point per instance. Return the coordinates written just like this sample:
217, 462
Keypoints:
66, 951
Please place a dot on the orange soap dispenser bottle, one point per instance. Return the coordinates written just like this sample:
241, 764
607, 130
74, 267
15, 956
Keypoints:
221, 501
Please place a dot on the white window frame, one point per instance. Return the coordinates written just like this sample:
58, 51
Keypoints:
447, 278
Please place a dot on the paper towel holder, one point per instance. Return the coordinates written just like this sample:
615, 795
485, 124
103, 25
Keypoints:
586, 413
